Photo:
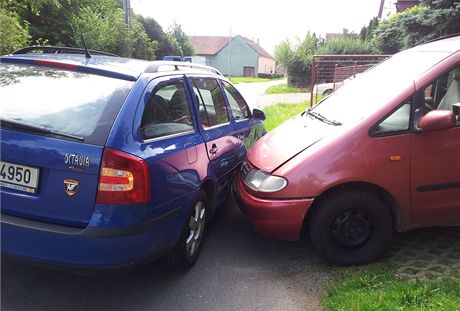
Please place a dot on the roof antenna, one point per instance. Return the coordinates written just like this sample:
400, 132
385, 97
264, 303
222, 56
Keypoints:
87, 54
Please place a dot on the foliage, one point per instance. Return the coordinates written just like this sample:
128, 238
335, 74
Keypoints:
102, 30
345, 46
376, 288
434, 18
366, 33
155, 33
297, 58
101, 22
177, 36
277, 114
12, 35
284, 89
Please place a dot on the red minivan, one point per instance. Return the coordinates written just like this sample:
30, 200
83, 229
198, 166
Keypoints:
379, 155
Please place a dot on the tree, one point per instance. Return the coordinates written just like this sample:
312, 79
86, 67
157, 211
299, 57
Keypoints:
103, 29
12, 35
155, 33
367, 33
175, 31
297, 58
432, 19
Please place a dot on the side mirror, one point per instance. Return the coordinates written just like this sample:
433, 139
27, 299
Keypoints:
258, 114
437, 120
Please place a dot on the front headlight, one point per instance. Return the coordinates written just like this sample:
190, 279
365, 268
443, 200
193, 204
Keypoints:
262, 181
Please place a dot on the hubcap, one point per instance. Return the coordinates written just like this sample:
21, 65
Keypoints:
351, 229
196, 228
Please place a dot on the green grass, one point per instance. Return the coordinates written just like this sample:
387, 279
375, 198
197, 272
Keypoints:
375, 287
279, 113
236, 80
284, 89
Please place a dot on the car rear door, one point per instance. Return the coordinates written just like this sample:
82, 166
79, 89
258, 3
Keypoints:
216, 128
54, 126
248, 129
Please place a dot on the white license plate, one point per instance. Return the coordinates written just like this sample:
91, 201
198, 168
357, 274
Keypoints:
19, 177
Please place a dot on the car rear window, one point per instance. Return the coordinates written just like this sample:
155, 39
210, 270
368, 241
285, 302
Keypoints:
72, 103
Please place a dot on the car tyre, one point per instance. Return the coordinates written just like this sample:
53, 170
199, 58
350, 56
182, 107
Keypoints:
351, 228
186, 252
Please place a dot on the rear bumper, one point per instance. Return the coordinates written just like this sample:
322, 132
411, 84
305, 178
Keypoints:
106, 248
280, 219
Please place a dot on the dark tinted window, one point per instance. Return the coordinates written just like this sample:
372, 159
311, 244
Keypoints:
240, 109
167, 112
213, 110
66, 102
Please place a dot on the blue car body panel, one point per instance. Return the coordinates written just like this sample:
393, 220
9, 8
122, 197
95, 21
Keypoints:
56, 228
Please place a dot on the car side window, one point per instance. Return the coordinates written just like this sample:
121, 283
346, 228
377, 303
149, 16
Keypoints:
396, 122
213, 110
240, 109
444, 92
167, 112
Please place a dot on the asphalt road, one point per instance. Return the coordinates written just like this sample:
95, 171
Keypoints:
238, 270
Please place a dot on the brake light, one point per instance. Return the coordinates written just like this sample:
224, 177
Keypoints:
124, 179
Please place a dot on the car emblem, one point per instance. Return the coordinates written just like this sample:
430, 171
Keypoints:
70, 186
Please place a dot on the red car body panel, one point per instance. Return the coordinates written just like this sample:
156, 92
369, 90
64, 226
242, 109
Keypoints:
407, 167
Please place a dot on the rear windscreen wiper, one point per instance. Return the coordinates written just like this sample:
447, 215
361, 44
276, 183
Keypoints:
15, 124
320, 117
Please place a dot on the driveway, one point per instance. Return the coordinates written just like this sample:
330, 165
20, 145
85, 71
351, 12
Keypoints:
238, 270
254, 93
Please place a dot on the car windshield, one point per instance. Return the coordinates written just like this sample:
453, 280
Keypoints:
361, 96
59, 101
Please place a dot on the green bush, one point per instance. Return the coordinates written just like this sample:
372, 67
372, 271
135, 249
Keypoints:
12, 35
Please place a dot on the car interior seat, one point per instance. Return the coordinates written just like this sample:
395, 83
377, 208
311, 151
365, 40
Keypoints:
156, 111
179, 106
452, 95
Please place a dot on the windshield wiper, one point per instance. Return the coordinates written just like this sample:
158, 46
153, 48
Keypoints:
320, 117
15, 124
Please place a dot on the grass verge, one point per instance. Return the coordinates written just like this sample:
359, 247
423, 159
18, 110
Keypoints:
375, 287
284, 89
279, 113
236, 80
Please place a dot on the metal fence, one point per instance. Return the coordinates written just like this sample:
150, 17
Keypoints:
329, 72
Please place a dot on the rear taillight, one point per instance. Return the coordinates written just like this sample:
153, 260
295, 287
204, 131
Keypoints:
124, 179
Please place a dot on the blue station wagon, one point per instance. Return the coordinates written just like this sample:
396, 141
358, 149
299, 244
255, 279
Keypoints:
107, 162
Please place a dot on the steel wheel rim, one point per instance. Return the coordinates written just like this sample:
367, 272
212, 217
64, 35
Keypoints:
196, 228
351, 229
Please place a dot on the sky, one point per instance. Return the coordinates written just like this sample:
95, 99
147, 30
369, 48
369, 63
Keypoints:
270, 22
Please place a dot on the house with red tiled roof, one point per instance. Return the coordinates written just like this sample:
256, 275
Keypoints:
235, 56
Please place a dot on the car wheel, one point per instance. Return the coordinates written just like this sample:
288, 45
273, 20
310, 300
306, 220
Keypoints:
351, 228
186, 252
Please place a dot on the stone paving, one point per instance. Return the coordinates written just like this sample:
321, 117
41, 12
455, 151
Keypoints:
427, 254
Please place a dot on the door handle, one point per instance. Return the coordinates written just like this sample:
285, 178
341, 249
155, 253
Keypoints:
213, 149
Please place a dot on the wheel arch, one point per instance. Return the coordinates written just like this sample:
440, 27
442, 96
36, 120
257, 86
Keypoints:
208, 187
378, 191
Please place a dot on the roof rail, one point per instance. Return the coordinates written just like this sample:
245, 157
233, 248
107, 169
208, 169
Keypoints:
156, 65
59, 50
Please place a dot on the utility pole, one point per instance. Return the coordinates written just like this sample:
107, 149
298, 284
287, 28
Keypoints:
230, 53
258, 58
127, 10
